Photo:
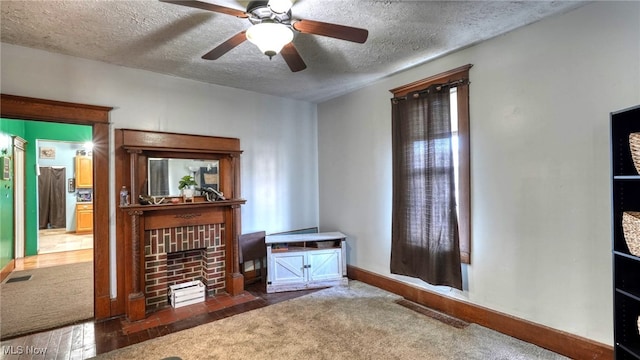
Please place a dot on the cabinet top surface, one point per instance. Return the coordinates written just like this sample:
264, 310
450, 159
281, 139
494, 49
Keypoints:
273, 239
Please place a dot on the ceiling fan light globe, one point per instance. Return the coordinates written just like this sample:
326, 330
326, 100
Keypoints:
270, 38
280, 6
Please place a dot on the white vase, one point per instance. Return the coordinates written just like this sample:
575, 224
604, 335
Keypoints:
187, 193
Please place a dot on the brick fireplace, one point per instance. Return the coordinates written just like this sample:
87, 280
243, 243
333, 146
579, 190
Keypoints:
159, 245
180, 254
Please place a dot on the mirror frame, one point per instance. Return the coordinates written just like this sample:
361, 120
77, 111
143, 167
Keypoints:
134, 147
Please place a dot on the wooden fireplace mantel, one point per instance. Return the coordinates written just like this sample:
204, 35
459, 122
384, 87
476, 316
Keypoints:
185, 206
133, 148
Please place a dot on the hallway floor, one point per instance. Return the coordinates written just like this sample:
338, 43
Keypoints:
59, 240
53, 259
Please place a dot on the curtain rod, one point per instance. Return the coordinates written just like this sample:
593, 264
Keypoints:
437, 86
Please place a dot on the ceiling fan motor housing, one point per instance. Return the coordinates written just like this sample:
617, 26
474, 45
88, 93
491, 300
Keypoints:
260, 12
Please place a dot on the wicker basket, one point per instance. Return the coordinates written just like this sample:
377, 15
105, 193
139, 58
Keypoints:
631, 230
634, 145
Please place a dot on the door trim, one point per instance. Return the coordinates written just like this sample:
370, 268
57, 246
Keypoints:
25, 108
18, 195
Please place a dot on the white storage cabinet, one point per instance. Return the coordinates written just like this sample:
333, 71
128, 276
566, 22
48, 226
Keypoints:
305, 261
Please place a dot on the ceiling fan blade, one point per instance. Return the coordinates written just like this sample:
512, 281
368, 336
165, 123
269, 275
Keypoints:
332, 30
210, 7
292, 58
223, 48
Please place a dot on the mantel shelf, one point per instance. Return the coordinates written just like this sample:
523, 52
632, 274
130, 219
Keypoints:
193, 205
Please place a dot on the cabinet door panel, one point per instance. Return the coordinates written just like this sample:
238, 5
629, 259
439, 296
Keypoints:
84, 219
288, 268
325, 265
84, 172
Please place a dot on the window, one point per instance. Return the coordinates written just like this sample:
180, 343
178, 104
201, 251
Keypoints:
459, 110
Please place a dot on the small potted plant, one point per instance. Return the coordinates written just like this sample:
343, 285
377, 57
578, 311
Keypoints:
187, 185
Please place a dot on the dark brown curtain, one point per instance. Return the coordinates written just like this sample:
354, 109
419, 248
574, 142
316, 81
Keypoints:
52, 197
424, 232
159, 177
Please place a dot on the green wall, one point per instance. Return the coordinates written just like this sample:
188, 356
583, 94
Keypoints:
7, 130
32, 131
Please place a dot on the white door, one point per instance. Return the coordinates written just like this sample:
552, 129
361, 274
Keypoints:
18, 194
325, 265
288, 268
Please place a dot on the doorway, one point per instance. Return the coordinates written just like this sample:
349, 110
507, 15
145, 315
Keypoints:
50, 226
65, 211
19, 107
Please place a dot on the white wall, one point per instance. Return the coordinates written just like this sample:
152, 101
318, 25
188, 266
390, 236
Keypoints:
540, 101
278, 136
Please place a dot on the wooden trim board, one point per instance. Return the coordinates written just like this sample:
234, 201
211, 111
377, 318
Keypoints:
26, 108
573, 346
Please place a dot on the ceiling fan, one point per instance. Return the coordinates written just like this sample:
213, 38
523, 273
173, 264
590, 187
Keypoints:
273, 28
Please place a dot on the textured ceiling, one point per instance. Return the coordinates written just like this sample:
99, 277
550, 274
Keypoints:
170, 39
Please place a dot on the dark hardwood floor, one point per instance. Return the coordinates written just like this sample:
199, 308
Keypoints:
90, 338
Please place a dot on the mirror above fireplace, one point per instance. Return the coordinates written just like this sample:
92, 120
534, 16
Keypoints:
164, 174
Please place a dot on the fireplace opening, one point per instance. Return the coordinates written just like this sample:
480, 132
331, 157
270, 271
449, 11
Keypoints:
184, 266
181, 254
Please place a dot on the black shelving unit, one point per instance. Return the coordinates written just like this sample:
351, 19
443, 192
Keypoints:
626, 267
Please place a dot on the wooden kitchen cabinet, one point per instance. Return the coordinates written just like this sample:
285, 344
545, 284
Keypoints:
84, 172
84, 217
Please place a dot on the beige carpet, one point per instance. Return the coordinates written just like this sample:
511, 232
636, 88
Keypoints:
53, 297
358, 322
